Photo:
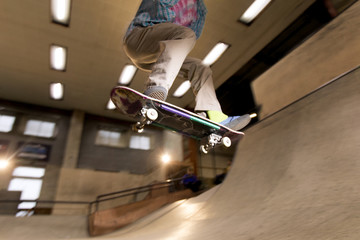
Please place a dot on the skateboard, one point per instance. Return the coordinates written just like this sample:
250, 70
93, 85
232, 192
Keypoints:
146, 110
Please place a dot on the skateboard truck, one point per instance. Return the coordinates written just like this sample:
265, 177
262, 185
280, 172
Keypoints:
214, 139
148, 115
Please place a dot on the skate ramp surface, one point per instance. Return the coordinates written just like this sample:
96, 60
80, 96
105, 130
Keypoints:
295, 175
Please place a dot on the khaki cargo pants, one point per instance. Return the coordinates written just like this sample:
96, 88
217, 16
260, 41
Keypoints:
162, 50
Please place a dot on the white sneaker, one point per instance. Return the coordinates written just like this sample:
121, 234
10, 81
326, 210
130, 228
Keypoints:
236, 122
157, 92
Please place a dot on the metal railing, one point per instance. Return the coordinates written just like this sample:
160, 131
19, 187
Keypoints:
93, 206
170, 184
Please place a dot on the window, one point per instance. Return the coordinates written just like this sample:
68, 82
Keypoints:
6, 123
140, 142
40, 128
108, 138
28, 180
116, 138
29, 172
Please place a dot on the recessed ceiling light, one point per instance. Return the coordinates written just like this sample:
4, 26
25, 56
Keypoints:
127, 74
182, 89
56, 91
253, 11
60, 11
110, 105
215, 53
253, 115
58, 57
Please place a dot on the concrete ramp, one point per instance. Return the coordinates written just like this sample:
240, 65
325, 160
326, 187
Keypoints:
296, 175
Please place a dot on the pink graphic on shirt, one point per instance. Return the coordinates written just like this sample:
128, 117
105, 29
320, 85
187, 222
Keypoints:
185, 11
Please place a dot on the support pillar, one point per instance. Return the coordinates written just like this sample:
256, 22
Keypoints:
73, 140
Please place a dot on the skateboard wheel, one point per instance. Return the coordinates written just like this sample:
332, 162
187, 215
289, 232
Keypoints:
140, 130
137, 128
226, 141
152, 114
203, 149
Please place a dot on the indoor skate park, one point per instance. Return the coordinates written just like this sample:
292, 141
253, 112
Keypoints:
294, 175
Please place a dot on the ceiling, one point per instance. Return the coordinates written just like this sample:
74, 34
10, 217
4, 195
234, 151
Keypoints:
95, 56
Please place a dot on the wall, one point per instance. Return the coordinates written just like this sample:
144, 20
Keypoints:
84, 185
333, 50
77, 169
23, 112
215, 162
107, 158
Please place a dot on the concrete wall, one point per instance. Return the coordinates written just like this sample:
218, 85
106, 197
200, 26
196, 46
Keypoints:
215, 162
85, 185
23, 112
92, 156
333, 50
173, 145
9, 208
77, 169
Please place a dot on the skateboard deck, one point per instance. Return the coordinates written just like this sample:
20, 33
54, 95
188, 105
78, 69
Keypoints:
146, 110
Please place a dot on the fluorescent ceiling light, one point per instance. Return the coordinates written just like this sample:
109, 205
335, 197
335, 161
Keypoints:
57, 91
110, 105
58, 57
254, 10
60, 11
182, 89
127, 74
215, 53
